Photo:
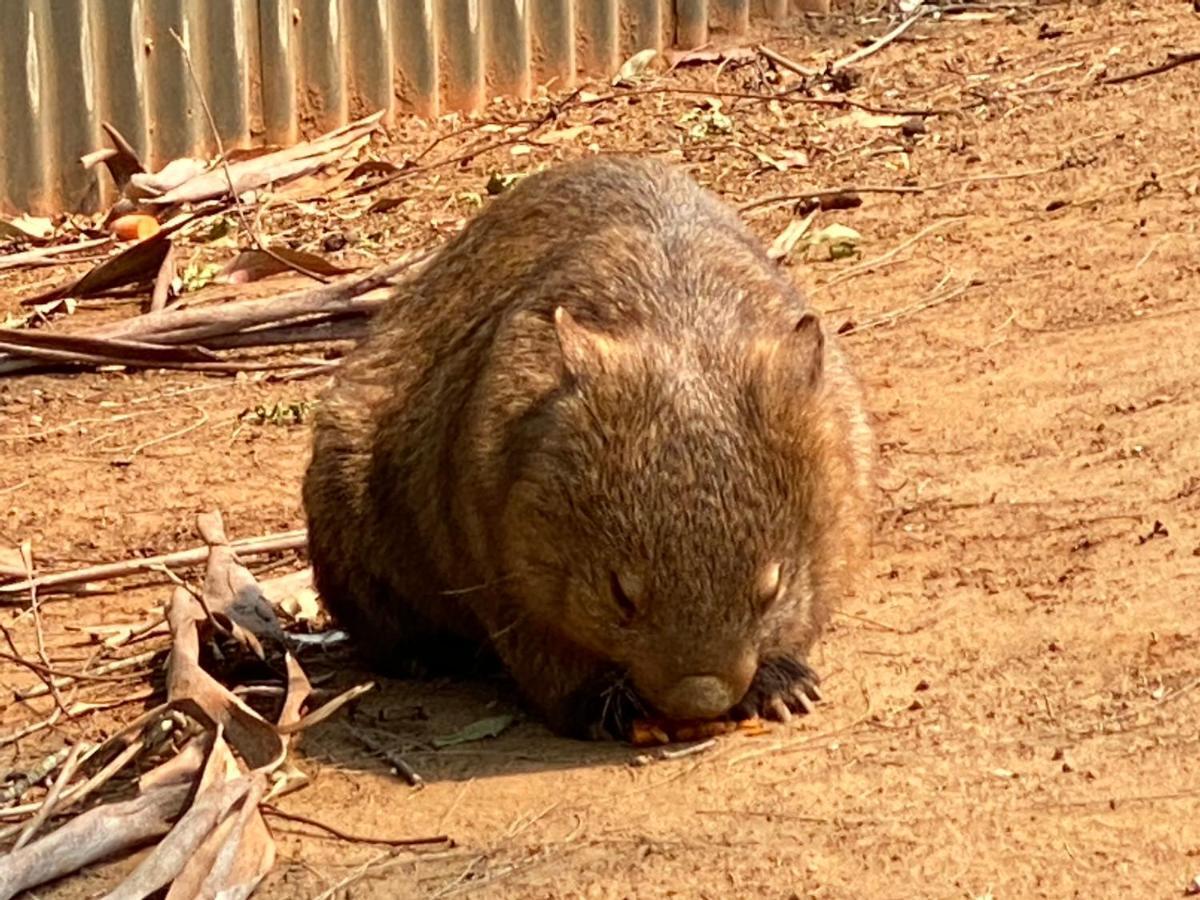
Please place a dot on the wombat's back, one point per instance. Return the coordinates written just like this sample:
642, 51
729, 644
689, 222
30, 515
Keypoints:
410, 462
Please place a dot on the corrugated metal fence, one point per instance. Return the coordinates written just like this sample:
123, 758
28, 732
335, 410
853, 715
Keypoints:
274, 69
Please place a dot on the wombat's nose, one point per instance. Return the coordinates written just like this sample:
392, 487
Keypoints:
700, 697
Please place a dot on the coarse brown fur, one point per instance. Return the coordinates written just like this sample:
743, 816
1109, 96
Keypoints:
601, 435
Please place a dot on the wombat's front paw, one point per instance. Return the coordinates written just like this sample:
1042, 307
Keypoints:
782, 686
603, 710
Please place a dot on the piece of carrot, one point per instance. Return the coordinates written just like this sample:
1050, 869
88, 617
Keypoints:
133, 227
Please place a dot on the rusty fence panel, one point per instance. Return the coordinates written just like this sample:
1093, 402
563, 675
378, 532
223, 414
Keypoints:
273, 70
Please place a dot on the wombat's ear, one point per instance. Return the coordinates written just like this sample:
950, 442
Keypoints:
796, 359
585, 351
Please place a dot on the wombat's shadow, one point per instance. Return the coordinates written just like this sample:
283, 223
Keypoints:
409, 716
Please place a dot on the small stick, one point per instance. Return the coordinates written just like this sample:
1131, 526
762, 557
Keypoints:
785, 62
39, 636
271, 543
1173, 60
70, 764
788, 96
868, 265
644, 759
49, 722
326, 710
401, 765
162, 281
903, 312
17, 783
99, 673
876, 46
354, 838
895, 189
237, 201
82, 791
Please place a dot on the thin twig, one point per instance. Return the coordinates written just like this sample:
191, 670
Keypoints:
785, 62
35, 607
237, 201
271, 543
325, 710
876, 46
937, 298
644, 759
398, 762
788, 97
868, 265
84, 790
1173, 60
100, 673
69, 766
354, 838
895, 189
51, 672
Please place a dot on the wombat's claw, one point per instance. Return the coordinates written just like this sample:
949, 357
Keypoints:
776, 709
782, 687
606, 711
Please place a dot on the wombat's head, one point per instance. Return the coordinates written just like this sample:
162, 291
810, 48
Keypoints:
665, 504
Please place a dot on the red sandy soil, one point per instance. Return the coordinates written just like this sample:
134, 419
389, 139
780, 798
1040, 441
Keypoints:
1013, 702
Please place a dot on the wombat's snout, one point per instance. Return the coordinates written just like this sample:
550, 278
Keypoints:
706, 696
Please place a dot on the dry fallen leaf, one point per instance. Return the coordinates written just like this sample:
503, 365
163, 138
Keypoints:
477, 731
859, 118
783, 160
232, 593
561, 135
633, 68
295, 595
785, 242
33, 229
678, 58
254, 265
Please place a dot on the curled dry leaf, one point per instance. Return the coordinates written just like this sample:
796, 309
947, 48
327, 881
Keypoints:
783, 160
562, 135
235, 853
27, 229
860, 118
136, 264
150, 185
281, 165
195, 692
232, 593
94, 835
12, 566
785, 242
679, 58
253, 265
633, 68
294, 594
170, 857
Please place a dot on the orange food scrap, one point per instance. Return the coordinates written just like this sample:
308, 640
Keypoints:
646, 734
651, 732
133, 227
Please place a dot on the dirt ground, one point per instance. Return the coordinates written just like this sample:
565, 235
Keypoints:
1013, 703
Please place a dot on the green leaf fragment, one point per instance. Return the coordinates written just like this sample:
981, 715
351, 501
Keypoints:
476, 731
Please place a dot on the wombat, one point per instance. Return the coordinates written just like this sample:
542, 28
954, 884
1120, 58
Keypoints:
599, 434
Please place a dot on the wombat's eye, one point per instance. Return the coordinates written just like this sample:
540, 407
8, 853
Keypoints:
626, 592
770, 584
